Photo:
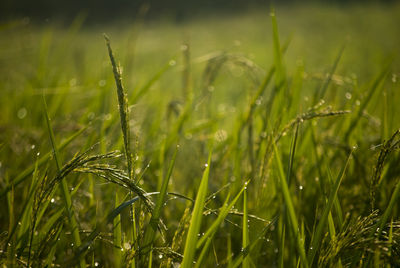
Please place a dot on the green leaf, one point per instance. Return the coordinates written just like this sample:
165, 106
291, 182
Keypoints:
195, 221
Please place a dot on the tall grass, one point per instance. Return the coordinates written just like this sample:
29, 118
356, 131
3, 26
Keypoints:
278, 165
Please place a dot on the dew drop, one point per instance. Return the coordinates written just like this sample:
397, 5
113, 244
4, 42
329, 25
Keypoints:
96, 264
33, 146
102, 83
160, 256
348, 95
72, 82
301, 187
22, 113
107, 117
206, 165
172, 63
358, 102
394, 78
263, 134
127, 246
52, 200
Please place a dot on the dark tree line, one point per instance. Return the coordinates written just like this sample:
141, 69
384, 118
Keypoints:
107, 10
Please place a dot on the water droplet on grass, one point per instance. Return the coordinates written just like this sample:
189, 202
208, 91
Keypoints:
72, 82
96, 264
172, 63
301, 187
52, 200
348, 95
206, 165
102, 83
22, 113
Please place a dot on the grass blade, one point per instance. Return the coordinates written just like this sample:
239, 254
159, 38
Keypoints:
64, 187
151, 229
290, 208
245, 230
375, 85
195, 221
318, 235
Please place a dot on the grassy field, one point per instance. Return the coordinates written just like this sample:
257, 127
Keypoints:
253, 140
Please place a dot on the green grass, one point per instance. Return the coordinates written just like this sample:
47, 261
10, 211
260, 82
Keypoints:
286, 122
